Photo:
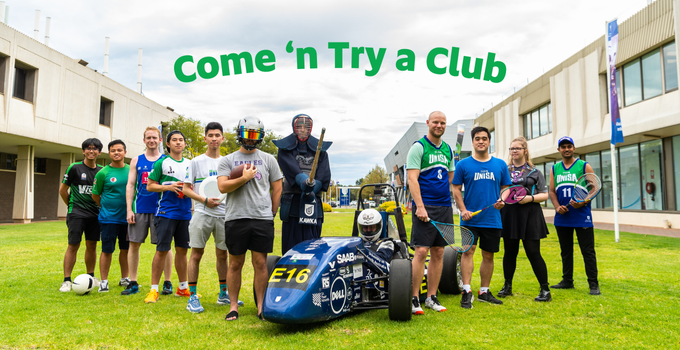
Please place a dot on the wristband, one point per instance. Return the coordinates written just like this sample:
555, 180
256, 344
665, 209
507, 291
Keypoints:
206, 201
532, 198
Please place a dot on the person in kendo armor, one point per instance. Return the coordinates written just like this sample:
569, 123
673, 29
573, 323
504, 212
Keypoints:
301, 204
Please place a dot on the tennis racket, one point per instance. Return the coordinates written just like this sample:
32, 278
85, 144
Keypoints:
586, 188
458, 237
510, 195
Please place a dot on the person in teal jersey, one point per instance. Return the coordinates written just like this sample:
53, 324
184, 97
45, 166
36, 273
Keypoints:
75, 190
571, 216
484, 177
109, 194
141, 210
430, 170
173, 214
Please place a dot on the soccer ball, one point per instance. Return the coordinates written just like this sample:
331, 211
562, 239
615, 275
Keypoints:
83, 284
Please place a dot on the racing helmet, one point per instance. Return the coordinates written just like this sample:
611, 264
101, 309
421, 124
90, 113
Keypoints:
250, 128
302, 126
370, 224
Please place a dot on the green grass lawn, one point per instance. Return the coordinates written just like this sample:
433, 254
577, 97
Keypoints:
639, 306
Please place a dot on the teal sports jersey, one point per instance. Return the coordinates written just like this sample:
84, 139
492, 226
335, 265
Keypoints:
434, 164
110, 183
564, 187
167, 171
79, 177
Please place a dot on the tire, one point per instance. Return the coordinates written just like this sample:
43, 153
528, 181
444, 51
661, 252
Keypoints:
399, 288
271, 262
451, 281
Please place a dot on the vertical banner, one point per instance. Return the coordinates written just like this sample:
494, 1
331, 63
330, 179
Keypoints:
612, 47
344, 196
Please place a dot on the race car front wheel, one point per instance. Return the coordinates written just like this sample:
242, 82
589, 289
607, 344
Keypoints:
399, 288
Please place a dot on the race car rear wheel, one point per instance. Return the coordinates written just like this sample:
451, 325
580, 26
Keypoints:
399, 288
451, 281
271, 262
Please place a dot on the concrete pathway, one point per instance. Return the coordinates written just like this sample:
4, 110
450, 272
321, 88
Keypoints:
643, 230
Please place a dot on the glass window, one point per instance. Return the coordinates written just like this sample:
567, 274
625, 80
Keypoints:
618, 87
535, 128
651, 74
629, 169
492, 141
670, 66
527, 126
652, 194
607, 190
547, 112
676, 169
20, 83
633, 85
594, 160
543, 113
548, 172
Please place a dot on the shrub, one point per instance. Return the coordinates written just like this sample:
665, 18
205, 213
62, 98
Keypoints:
327, 207
390, 206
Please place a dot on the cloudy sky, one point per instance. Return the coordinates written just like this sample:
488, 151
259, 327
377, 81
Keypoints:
364, 115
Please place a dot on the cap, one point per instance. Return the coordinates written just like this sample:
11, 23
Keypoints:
565, 139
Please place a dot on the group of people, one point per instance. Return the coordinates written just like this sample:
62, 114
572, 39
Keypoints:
124, 203
430, 172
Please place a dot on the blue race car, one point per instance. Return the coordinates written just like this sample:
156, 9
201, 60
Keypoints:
322, 279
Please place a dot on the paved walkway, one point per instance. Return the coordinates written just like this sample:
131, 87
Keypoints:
643, 230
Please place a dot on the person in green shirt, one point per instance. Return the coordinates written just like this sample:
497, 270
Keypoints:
109, 194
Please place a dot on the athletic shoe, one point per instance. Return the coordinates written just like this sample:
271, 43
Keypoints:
434, 304
466, 300
104, 287
182, 292
194, 305
223, 299
487, 297
132, 288
65, 287
506, 291
151, 297
594, 289
167, 288
415, 307
124, 282
563, 285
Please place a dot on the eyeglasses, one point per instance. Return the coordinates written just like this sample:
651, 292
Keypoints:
516, 149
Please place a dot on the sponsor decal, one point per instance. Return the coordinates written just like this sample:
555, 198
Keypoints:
113, 180
316, 299
325, 282
358, 270
302, 256
345, 258
291, 276
332, 264
85, 189
338, 295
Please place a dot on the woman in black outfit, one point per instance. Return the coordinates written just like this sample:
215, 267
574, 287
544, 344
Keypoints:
524, 221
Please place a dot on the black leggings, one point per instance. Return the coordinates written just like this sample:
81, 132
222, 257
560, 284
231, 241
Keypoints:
533, 250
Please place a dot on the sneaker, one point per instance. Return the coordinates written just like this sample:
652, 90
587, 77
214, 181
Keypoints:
563, 285
194, 305
415, 307
506, 291
487, 297
223, 299
65, 287
466, 300
182, 292
104, 287
595, 289
132, 288
167, 288
124, 282
151, 297
434, 304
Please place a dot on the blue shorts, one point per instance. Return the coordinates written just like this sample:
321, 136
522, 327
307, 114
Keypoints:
169, 229
111, 232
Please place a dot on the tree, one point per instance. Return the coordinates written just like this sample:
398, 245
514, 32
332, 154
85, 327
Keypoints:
194, 133
377, 175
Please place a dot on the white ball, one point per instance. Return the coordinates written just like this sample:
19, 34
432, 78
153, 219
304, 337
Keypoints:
83, 284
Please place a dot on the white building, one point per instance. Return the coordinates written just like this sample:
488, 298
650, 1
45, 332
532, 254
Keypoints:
572, 100
49, 104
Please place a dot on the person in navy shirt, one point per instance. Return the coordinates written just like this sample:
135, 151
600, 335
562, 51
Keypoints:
484, 177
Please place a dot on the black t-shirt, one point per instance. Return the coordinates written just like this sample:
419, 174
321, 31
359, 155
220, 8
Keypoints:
80, 178
528, 177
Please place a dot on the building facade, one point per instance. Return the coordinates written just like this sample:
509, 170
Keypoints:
572, 100
49, 104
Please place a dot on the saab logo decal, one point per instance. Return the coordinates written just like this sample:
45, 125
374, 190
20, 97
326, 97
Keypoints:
85, 189
291, 276
309, 209
113, 180
332, 264
325, 282
83, 176
344, 258
338, 295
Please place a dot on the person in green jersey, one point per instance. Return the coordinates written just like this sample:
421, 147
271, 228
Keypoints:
75, 191
109, 193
